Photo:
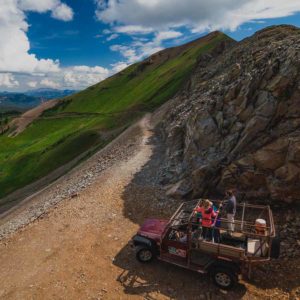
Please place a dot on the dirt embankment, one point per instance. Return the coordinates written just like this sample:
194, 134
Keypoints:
78, 249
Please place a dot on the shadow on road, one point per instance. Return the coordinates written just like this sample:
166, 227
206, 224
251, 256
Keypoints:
143, 197
150, 280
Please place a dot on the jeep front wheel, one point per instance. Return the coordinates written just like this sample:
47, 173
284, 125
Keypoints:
224, 278
144, 254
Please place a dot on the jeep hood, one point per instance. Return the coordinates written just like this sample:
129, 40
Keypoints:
153, 228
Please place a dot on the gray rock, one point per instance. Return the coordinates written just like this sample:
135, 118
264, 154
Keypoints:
237, 122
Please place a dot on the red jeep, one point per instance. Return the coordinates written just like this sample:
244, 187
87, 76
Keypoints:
179, 241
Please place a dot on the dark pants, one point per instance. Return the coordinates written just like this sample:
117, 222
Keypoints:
216, 235
206, 233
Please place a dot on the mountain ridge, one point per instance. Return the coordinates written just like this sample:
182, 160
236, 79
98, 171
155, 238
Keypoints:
92, 118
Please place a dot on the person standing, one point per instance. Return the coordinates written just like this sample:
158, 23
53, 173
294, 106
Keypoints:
230, 209
207, 214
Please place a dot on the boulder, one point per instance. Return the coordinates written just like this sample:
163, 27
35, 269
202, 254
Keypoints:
272, 156
294, 151
180, 189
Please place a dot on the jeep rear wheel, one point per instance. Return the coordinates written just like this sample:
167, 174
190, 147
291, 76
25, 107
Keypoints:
144, 254
224, 278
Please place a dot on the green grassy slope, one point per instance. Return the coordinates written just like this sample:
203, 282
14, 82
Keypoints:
78, 122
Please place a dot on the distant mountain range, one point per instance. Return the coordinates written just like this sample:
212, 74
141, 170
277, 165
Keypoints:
29, 99
49, 93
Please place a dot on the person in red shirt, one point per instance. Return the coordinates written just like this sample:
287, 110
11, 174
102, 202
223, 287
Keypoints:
207, 212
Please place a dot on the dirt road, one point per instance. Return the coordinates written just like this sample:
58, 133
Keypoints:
79, 248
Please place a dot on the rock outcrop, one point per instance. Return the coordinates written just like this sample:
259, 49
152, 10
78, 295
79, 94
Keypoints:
237, 122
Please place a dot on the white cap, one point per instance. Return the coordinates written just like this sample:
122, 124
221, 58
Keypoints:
261, 222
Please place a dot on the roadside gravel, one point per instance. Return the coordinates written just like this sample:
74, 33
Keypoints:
74, 182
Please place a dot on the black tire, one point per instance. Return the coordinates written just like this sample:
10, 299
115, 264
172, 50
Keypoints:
224, 278
144, 254
275, 248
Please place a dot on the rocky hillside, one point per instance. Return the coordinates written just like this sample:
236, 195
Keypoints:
237, 123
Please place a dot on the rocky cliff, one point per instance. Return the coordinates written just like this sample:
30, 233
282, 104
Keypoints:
237, 122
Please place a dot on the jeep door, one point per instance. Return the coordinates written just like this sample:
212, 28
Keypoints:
174, 249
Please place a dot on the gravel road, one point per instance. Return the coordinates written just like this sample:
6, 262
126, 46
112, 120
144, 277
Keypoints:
70, 241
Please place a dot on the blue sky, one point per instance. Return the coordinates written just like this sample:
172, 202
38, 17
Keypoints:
76, 43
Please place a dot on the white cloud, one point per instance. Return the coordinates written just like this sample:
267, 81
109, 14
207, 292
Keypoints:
49, 83
32, 84
94, 70
129, 53
140, 49
198, 15
62, 12
76, 77
167, 35
137, 50
79, 77
58, 10
112, 37
106, 31
8, 80
163, 18
119, 66
257, 21
15, 46
37, 6
101, 4
133, 29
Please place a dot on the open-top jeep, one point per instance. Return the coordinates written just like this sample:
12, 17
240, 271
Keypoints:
179, 241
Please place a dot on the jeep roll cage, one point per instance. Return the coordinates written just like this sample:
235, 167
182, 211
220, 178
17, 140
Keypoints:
244, 230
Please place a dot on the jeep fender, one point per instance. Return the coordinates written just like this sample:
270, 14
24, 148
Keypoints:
139, 240
219, 263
